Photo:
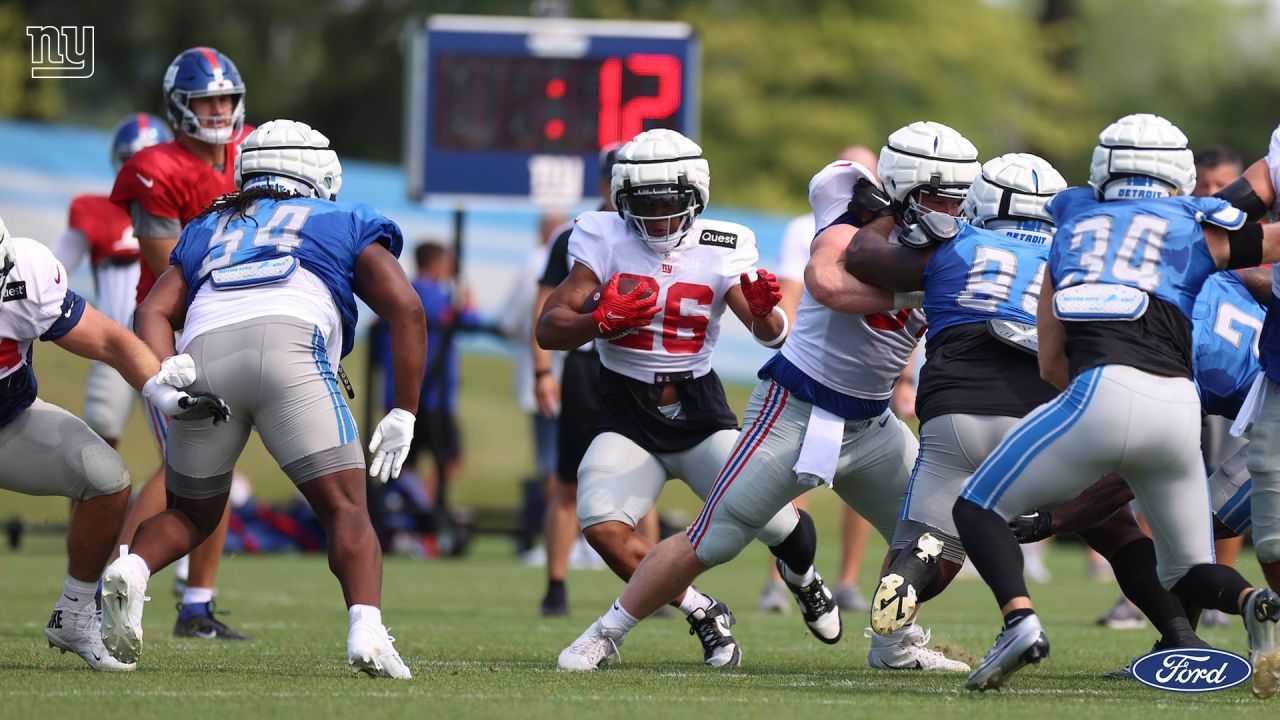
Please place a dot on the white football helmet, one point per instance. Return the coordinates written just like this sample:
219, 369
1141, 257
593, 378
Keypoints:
294, 152
929, 157
1142, 156
1010, 195
660, 177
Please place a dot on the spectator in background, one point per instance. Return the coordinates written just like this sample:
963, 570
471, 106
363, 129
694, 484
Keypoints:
1217, 166
796, 240
516, 324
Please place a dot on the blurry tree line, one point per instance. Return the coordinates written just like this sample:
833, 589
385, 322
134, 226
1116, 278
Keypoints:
785, 83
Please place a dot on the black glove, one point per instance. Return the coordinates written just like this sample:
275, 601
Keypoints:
198, 406
869, 203
1033, 527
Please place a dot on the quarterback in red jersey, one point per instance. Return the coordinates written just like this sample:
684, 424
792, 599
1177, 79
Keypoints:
164, 187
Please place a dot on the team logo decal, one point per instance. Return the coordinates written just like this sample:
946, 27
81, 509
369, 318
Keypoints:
16, 290
1191, 670
718, 239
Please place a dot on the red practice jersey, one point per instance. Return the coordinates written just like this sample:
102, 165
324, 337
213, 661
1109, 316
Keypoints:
107, 228
170, 182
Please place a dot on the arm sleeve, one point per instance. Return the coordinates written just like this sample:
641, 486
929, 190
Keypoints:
70, 248
796, 242
557, 266
146, 224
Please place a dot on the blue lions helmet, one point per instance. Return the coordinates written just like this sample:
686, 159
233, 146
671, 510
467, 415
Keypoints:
197, 73
137, 131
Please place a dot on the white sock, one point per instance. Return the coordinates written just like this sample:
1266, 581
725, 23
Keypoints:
197, 596
693, 601
619, 619
893, 638
77, 593
364, 614
797, 580
181, 567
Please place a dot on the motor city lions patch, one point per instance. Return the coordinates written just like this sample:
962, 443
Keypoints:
16, 290
719, 239
1191, 670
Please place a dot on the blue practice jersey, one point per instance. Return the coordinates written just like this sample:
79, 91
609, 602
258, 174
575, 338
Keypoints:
1154, 245
1226, 324
324, 237
982, 275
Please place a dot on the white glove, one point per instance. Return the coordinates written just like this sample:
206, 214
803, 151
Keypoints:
177, 371
180, 405
390, 444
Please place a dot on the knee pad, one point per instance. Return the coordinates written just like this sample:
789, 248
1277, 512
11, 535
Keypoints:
798, 548
102, 470
718, 542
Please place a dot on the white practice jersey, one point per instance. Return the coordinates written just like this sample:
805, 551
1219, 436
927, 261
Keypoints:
35, 304
1273, 164
858, 355
691, 281
115, 284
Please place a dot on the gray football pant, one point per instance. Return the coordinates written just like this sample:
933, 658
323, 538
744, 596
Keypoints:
951, 449
1264, 466
1118, 419
275, 375
48, 451
759, 477
619, 480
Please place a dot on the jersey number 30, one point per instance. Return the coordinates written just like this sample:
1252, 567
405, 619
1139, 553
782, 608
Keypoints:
673, 321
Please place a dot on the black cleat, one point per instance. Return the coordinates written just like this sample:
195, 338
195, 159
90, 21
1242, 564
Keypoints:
205, 627
818, 606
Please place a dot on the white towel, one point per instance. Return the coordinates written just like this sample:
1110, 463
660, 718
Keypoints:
1250, 407
820, 449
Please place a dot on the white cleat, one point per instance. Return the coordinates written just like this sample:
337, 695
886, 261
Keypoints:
124, 590
1261, 612
370, 650
79, 631
908, 649
1016, 647
594, 648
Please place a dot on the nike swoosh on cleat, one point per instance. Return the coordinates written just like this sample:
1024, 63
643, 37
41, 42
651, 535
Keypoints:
72, 599
206, 634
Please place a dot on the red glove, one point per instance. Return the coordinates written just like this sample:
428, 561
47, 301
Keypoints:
763, 293
618, 312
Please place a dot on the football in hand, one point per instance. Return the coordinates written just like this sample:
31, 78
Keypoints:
626, 285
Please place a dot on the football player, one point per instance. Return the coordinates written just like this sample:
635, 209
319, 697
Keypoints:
980, 282
829, 386
1114, 328
45, 450
663, 410
163, 187
264, 284
100, 229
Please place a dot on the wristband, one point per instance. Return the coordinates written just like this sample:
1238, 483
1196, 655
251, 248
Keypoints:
782, 334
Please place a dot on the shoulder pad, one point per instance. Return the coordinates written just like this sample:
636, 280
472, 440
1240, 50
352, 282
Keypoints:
1216, 211
933, 228
831, 189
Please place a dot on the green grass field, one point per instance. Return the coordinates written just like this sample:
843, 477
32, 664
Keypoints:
471, 633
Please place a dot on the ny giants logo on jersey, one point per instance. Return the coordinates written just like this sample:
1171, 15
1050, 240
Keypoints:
1191, 670
16, 290
718, 239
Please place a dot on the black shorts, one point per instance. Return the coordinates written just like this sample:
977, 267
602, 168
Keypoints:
436, 432
580, 390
